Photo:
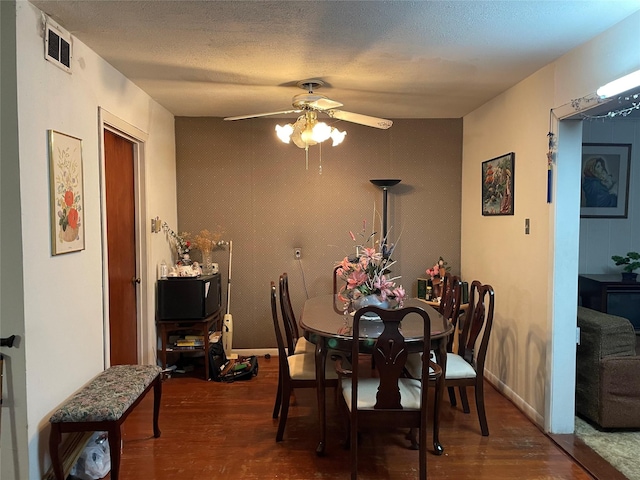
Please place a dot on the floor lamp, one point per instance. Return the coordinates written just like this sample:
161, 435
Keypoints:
385, 184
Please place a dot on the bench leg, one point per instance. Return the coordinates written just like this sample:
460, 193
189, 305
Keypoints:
55, 437
157, 396
115, 447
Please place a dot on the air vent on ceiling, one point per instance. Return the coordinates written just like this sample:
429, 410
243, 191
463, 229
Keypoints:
57, 45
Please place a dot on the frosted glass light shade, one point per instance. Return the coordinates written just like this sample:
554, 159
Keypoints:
284, 132
321, 132
337, 136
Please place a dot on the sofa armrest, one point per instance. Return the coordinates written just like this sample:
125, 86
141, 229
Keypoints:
619, 392
621, 375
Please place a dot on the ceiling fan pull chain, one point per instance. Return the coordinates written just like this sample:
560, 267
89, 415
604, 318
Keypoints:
306, 156
320, 168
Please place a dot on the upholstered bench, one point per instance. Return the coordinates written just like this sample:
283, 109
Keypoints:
103, 405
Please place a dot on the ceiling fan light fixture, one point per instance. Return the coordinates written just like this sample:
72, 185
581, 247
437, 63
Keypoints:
321, 132
284, 132
337, 136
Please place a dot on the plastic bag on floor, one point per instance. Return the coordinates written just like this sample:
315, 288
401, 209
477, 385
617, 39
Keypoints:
95, 460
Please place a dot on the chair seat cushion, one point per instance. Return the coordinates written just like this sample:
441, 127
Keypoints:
303, 367
304, 346
457, 368
368, 388
414, 364
108, 395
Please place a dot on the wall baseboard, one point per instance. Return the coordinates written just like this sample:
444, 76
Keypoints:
258, 352
518, 401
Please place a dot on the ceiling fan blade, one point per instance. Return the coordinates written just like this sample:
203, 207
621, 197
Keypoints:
324, 104
361, 119
255, 115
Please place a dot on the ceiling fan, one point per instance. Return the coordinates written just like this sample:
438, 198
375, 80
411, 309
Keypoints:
315, 102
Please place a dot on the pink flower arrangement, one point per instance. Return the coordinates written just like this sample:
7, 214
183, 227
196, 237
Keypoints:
367, 273
438, 269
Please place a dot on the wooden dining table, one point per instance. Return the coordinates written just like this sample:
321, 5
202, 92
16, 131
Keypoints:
325, 324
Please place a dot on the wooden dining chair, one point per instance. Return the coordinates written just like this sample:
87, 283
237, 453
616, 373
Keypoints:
466, 367
449, 308
295, 342
294, 370
387, 400
338, 305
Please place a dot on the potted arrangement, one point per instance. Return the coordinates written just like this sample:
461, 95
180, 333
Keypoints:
366, 276
436, 273
631, 262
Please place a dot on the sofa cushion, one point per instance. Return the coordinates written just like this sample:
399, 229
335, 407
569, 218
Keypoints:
608, 334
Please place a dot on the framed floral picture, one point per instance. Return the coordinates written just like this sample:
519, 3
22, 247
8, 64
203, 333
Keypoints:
604, 183
497, 185
67, 196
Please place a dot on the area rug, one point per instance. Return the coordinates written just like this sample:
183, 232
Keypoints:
619, 448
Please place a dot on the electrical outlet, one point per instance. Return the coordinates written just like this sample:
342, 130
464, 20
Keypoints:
297, 252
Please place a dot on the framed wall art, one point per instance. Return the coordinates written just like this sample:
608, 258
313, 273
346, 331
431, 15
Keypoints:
67, 196
497, 185
604, 184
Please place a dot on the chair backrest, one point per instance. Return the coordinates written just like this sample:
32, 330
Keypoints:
338, 306
450, 303
288, 317
390, 354
451, 295
282, 353
478, 320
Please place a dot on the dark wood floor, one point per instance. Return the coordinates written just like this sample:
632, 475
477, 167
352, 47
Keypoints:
225, 431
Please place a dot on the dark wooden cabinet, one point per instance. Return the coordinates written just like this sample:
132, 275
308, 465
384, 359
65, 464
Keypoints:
609, 294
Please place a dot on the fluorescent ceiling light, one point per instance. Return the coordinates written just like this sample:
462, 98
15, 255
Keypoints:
620, 85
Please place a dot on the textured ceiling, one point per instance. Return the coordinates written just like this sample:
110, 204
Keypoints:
392, 59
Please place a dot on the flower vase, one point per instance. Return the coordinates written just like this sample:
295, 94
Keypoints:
437, 288
207, 263
367, 301
70, 234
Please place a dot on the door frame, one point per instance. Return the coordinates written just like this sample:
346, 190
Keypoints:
110, 122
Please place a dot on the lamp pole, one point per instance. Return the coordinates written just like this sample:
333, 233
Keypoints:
385, 184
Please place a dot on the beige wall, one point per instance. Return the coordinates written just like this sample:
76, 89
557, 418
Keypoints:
238, 175
532, 352
60, 317
497, 251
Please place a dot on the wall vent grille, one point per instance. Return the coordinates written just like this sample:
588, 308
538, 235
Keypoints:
57, 45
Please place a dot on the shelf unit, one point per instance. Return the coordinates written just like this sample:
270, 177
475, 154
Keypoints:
200, 326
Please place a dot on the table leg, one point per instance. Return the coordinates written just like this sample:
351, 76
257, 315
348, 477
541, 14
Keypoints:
441, 359
321, 358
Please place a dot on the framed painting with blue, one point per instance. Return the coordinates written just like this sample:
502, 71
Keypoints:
605, 180
67, 196
497, 185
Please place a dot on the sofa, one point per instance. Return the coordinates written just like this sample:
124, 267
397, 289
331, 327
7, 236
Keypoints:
607, 370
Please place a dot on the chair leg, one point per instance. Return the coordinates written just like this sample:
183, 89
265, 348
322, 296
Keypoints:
464, 399
452, 396
412, 437
354, 455
284, 411
482, 416
423, 454
276, 407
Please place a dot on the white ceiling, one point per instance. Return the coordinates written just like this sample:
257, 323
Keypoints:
392, 59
